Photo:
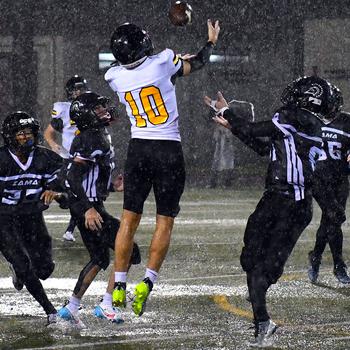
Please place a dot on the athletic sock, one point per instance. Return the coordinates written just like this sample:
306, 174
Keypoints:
74, 304
107, 300
120, 277
152, 275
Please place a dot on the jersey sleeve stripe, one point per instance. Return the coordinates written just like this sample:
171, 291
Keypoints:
176, 59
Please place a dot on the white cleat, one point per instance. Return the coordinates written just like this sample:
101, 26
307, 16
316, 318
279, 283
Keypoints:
111, 313
73, 318
264, 332
68, 236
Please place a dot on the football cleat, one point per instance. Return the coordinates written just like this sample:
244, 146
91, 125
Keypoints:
110, 313
119, 294
314, 267
17, 282
263, 334
142, 291
65, 314
68, 236
51, 319
341, 274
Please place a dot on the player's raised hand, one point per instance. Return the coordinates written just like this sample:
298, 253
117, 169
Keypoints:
213, 31
222, 121
217, 104
187, 56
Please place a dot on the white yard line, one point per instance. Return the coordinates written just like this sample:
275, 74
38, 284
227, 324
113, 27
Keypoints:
230, 202
150, 220
64, 218
164, 289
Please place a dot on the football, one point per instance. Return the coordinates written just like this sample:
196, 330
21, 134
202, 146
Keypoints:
180, 13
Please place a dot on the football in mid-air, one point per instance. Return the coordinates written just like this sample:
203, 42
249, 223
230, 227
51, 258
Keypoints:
180, 13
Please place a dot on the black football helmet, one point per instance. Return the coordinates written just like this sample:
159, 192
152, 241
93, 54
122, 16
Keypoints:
129, 43
338, 98
83, 111
75, 83
18, 121
313, 94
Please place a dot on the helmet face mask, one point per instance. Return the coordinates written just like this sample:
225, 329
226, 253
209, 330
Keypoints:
130, 44
90, 111
315, 95
75, 86
20, 132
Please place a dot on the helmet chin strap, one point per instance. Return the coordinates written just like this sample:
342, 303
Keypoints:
26, 148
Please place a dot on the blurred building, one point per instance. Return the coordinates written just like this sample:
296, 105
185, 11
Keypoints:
263, 45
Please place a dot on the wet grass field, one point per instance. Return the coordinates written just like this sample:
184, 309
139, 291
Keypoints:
199, 301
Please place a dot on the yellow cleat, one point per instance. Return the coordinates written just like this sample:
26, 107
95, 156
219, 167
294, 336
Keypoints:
119, 295
142, 291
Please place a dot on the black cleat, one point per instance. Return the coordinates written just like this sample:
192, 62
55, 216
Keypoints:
314, 267
341, 274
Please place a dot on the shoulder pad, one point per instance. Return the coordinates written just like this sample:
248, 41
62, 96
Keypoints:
57, 109
165, 55
110, 73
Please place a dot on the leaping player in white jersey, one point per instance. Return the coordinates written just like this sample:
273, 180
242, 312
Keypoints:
145, 84
61, 123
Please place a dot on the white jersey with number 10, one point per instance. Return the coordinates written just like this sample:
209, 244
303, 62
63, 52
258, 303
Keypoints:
149, 96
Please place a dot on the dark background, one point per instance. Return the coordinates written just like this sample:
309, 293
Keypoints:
44, 42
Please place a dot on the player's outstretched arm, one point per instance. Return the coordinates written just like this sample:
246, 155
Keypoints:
249, 133
198, 61
50, 138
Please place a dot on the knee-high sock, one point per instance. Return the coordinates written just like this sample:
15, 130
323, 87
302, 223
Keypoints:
258, 286
36, 289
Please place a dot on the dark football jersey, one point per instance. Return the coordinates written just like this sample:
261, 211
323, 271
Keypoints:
21, 185
94, 146
294, 147
294, 151
336, 138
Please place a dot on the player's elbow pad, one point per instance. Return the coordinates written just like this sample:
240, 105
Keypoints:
57, 124
202, 57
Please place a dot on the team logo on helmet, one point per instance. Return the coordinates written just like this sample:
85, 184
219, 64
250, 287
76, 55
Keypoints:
315, 90
27, 121
76, 105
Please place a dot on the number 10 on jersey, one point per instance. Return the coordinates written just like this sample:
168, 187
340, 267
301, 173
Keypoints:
156, 113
